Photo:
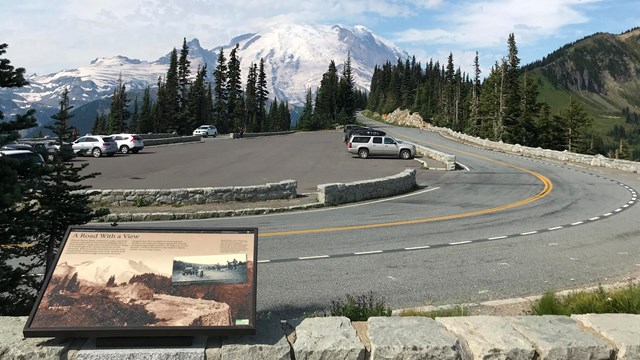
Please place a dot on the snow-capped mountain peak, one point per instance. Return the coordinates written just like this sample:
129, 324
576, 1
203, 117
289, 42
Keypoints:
295, 56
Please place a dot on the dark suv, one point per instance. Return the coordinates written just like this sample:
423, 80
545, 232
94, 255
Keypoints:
362, 131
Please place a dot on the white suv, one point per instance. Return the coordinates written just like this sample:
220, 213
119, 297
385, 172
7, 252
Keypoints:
128, 142
95, 145
368, 145
206, 130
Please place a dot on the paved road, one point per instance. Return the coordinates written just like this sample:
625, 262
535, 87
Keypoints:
309, 158
510, 226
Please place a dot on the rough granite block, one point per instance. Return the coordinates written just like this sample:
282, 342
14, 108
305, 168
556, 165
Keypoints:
195, 352
489, 338
621, 330
411, 338
560, 338
326, 338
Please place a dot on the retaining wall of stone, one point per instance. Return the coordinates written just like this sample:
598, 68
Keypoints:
593, 160
448, 160
405, 118
170, 140
340, 193
596, 337
286, 189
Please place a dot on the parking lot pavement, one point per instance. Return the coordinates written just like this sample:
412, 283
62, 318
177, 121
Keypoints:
310, 158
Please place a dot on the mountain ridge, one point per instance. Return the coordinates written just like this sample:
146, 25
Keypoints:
295, 58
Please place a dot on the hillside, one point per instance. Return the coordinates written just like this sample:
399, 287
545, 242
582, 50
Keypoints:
602, 69
603, 72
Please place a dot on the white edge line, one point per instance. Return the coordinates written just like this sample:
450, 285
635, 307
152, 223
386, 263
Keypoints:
594, 218
460, 242
418, 247
617, 210
607, 214
263, 261
555, 228
497, 237
368, 252
625, 205
529, 233
313, 257
577, 223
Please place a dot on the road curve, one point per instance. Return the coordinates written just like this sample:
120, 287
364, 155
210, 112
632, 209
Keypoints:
509, 226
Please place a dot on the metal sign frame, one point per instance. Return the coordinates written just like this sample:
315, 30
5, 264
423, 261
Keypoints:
149, 282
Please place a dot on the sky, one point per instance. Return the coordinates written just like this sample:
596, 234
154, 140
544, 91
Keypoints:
47, 36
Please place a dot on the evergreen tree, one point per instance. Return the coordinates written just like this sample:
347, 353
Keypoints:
511, 91
119, 114
171, 98
346, 97
183, 123
284, 117
271, 122
59, 198
221, 94
199, 104
99, 124
134, 125
574, 122
251, 103
146, 123
305, 122
235, 105
326, 98
261, 97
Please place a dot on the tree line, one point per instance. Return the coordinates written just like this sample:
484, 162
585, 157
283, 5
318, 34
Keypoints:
184, 103
504, 106
336, 100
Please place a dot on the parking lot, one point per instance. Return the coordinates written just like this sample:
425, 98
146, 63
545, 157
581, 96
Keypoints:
310, 158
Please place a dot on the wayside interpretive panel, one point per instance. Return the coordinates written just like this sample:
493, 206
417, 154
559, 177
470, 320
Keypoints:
133, 282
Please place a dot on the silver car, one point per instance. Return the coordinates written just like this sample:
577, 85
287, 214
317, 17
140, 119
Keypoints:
128, 142
96, 145
368, 145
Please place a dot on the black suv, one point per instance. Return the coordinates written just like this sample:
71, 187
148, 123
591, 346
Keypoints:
363, 131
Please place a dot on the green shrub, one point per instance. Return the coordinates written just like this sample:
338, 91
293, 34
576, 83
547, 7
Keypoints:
624, 301
360, 308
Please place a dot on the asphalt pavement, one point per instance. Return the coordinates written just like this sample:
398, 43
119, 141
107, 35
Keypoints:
310, 158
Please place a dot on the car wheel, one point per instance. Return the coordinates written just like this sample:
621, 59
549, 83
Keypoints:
124, 149
50, 157
405, 154
363, 153
96, 152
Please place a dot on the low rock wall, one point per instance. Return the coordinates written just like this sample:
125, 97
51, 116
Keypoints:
170, 140
448, 160
593, 160
286, 189
604, 337
405, 118
339, 193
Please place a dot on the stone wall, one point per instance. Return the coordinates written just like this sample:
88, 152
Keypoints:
339, 193
286, 189
405, 118
448, 160
169, 140
604, 337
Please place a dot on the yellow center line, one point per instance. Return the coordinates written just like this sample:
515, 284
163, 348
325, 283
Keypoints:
546, 190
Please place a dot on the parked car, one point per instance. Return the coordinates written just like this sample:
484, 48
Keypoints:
22, 155
96, 145
49, 149
367, 145
128, 142
206, 130
16, 146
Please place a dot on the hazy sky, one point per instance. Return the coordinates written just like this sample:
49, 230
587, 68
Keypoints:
46, 36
